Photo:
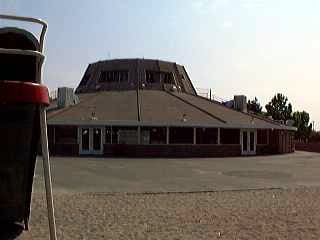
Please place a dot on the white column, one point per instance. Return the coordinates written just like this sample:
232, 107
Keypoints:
168, 132
218, 137
194, 136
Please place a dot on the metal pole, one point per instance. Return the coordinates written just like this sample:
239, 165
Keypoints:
47, 173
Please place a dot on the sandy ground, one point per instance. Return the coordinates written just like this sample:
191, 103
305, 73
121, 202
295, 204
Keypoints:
258, 214
92, 200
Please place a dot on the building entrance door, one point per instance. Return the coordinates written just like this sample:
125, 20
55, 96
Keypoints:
91, 140
248, 142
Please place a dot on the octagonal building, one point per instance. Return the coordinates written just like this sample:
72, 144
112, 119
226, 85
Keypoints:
150, 108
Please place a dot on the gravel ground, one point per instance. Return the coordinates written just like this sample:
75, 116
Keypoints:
254, 214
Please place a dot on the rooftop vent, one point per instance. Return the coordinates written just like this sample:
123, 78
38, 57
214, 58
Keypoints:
229, 104
289, 123
240, 103
66, 97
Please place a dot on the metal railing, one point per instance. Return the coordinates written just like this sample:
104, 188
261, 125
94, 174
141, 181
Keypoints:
207, 93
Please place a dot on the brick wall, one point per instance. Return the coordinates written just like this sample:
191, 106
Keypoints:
279, 142
310, 147
172, 150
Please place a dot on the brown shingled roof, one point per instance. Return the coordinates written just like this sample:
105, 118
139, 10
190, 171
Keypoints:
107, 106
155, 108
231, 116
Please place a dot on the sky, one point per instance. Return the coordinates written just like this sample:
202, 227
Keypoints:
251, 47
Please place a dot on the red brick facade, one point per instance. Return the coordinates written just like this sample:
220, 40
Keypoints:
172, 150
310, 147
63, 141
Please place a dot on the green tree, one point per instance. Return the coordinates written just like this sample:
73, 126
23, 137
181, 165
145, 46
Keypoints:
254, 106
279, 108
301, 122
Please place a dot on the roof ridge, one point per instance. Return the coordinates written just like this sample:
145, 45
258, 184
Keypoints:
139, 116
199, 108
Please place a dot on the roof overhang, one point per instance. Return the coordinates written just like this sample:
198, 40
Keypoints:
161, 124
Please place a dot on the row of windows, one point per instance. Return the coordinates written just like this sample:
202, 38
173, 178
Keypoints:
157, 77
123, 76
157, 135
114, 76
153, 135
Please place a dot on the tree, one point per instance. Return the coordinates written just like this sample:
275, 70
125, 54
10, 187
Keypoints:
279, 108
254, 106
301, 122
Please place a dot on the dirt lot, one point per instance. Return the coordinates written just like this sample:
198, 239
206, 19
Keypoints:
107, 199
267, 214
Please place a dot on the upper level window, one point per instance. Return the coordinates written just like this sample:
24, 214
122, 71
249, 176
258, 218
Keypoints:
114, 76
102, 77
167, 77
151, 76
123, 76
157, 76
109, 77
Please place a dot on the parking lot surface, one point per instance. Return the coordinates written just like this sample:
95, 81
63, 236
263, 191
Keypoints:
113, 175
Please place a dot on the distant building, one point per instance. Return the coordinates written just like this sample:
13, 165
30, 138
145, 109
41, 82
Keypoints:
150, 108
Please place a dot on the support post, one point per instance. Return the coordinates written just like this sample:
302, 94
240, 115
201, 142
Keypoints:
139, 135
103, 135
111, 133
167, 135
218, 137
47, 173
194, 136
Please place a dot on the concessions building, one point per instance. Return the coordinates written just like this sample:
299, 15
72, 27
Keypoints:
150, 108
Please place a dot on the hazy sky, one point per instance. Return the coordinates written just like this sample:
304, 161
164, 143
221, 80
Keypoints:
252, 47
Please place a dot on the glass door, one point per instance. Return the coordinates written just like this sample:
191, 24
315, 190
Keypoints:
91, 141
248, 142
97, 140
85, 140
